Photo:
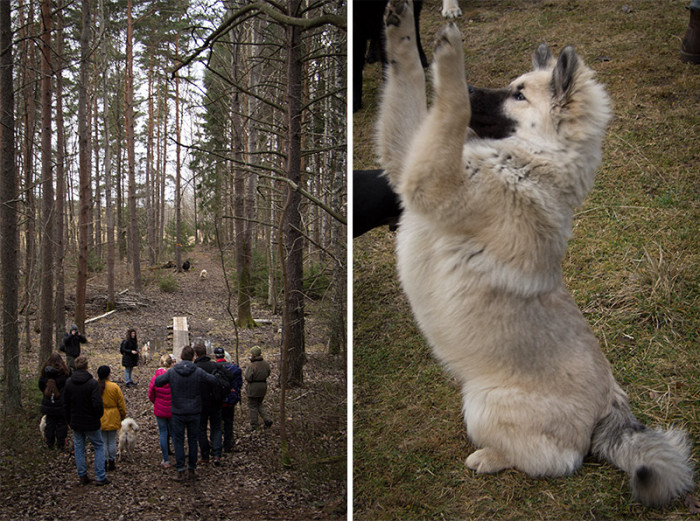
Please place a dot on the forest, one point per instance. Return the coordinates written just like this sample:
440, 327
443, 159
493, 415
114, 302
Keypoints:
138, 136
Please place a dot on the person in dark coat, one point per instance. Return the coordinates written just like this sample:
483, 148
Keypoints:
52, 380
82, 401
130, 355
228, 407
211, 410
186, 380
256, 376
71, 345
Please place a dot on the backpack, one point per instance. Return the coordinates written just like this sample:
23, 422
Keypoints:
236, 381
222, 388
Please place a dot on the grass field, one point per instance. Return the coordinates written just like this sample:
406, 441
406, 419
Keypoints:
632, 266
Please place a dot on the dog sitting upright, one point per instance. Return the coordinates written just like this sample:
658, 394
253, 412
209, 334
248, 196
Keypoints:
127, 438
489, 180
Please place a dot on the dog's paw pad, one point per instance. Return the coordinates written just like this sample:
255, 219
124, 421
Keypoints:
452, 13
396, 11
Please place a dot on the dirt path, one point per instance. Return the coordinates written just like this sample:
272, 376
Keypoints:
250, 484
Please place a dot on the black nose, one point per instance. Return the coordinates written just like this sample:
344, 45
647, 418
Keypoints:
471, 89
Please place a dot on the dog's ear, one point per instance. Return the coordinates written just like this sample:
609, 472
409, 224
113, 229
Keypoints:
564, 72
542, 58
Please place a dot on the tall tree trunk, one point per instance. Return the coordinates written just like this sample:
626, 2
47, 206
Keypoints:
150, 216
28, 156
91, 202
84, 165
164, 156
178, 188
337, 343
251, 177
294, 291
59, 231
108, 168
131, 152
47, 204
244, 312
121, 227
97, 206
9, 253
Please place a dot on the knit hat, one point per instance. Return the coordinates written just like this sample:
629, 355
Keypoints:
103, 372
219, 352
256, 351
74, 328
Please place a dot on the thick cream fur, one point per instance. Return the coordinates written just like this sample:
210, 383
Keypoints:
480, 244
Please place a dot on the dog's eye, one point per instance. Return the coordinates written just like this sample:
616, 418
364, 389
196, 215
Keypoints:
519, 96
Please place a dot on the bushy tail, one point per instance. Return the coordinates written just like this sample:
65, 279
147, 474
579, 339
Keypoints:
656, 460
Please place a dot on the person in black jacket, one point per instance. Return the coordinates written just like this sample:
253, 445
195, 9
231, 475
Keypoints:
83, 405
186, 380
229, 404
130, 355
211, 410
71, 345
52, 379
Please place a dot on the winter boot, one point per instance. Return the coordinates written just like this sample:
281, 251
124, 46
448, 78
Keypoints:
181, 476
84, 479
690, 48
191, 475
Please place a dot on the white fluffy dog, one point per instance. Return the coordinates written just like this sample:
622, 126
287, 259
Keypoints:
489, 181
203, 274
127, 438
146, 353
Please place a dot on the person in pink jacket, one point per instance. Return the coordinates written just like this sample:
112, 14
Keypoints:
160, 396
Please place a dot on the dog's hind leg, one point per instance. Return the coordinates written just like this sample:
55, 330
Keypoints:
433, 176
403, 105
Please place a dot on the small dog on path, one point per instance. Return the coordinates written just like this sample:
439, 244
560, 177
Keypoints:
203, 274
127, 438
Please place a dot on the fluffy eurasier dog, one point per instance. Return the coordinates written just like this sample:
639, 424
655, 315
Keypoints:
489, 180
127, 438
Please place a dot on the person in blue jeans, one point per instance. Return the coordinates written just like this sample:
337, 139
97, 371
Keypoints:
82, 402
129, 349
186, 381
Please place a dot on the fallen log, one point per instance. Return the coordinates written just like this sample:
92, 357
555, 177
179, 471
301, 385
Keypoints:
94, 319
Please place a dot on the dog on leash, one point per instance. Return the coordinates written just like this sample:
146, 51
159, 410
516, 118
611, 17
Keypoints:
127, 438
203, 275
489, 180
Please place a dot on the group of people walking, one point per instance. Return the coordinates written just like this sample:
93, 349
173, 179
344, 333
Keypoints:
190, 397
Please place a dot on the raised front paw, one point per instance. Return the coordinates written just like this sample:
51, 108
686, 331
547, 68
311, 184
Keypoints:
401, 46
448, 42
398, 13
450, 9
450, 82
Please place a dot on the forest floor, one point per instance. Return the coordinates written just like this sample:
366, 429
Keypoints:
250, 484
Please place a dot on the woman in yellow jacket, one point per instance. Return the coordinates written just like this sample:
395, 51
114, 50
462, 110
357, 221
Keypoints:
115, 412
